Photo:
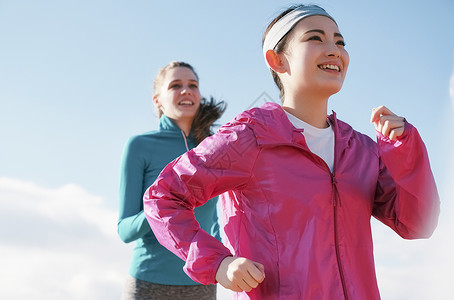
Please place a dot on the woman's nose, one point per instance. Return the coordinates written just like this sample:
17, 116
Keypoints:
186, 90
333, 50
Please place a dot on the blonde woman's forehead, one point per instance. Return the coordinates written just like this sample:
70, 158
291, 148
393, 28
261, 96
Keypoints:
180, 73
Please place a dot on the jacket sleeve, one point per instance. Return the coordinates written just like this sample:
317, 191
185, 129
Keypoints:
220, 163
132, 223
406, 196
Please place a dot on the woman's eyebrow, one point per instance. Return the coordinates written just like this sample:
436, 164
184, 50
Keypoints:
180, 80
174, 81
315, 30
336, 34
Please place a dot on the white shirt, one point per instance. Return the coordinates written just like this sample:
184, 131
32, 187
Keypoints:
319, 140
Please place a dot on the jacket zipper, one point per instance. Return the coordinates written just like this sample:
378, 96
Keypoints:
185, 139
337, 203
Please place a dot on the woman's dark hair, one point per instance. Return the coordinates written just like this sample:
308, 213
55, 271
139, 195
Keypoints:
209, 110
280, 47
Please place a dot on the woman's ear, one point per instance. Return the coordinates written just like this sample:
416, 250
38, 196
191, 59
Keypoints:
274, 61
156, 102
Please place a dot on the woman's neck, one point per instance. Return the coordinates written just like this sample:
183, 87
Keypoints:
313, 111
184, 125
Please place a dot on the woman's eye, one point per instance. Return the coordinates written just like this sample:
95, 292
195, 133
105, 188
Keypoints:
315, 38
194, 86
342, 43
175, 86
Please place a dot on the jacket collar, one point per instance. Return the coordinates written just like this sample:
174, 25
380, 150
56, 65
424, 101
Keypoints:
168, 125
272, 126
165, 123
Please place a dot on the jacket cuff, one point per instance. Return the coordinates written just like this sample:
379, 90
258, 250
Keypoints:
204, 257
397, 142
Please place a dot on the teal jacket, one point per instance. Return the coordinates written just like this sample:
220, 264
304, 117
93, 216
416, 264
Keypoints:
143, 159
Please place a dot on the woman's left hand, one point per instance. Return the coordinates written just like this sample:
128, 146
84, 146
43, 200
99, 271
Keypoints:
387, 123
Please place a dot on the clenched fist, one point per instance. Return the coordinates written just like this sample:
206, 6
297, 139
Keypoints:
240, 274
387, 123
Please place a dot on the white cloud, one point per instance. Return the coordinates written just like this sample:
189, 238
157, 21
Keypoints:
58, 244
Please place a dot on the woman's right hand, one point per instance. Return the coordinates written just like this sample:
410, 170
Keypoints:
240, 274
387, 123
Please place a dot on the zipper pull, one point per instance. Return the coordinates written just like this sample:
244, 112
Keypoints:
333, 179
334, 184
185, 140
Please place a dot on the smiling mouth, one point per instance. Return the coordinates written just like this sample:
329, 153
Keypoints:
329, 67
185, 102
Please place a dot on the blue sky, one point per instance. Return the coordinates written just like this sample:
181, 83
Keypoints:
75, 83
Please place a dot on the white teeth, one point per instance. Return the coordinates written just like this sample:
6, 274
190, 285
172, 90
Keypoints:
186, 102
331, 67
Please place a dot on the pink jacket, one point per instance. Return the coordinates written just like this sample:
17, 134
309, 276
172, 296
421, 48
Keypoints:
282, 207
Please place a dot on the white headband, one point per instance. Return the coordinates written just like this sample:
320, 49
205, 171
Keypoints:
287, 22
